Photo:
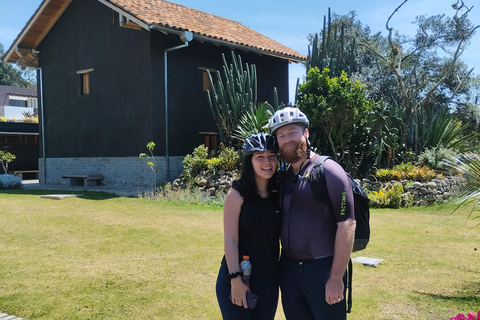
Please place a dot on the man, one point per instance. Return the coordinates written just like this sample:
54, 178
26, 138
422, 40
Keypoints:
317, 238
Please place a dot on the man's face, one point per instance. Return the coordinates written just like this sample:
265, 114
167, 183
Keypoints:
292, 142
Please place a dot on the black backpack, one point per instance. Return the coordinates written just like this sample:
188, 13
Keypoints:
361, 206
361, 209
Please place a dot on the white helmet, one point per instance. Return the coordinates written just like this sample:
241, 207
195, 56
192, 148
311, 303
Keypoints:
286, 116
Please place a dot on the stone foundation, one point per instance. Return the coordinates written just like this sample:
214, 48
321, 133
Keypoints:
117, 171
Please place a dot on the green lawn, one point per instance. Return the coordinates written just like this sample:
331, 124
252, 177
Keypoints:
107, 257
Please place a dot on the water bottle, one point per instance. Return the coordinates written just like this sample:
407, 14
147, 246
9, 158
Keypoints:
246, 268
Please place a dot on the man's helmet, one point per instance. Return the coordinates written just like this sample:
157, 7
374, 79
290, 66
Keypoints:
259, 142
286, 116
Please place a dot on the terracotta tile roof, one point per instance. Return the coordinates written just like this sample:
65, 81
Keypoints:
174, 16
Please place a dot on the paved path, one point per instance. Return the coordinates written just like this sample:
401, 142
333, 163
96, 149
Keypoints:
4, 316
118, 190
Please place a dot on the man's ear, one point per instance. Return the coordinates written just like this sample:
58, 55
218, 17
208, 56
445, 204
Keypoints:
306, 133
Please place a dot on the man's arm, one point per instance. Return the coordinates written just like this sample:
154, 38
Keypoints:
343, 249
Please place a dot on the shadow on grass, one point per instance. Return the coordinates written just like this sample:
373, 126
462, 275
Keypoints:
469, 294
88, 195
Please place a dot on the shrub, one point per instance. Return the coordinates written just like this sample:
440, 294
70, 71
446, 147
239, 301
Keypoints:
196, 162
228, 158
389, 197
384, 174
436, 156
406, 171
200, 160
9, 181
421, 174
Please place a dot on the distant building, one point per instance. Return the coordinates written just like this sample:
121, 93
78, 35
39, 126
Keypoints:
18, 133
17, 103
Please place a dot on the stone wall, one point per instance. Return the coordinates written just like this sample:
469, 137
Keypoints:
211, 183
117, 171
438, 190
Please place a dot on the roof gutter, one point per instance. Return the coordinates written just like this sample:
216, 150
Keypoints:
228, 44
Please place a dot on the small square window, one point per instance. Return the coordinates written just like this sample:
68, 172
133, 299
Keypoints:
206, 82
85, 81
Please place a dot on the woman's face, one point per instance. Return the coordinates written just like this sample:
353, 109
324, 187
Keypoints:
264, 164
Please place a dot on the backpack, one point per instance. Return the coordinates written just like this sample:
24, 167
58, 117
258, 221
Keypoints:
361, 209
361, 202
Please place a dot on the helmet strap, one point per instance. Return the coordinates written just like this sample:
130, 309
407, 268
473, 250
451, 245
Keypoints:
308, 144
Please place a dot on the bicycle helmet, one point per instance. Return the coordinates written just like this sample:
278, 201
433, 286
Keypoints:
286, 116
259, 142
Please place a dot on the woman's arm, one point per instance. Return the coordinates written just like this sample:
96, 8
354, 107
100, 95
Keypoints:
231, 214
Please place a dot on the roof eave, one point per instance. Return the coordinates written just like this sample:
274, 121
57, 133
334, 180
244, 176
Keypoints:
225, 43
12, 55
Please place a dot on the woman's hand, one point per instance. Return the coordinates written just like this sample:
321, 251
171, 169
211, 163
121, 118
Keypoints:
239, 292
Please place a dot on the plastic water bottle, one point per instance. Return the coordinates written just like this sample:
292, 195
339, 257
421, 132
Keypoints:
246, 268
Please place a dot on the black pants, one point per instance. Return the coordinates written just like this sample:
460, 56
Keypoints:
303, 290
266, 290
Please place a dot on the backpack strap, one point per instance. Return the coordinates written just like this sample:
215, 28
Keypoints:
317, 180
349, 285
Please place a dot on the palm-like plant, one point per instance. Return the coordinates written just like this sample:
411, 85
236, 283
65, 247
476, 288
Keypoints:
254, 121
469, 166
450, 133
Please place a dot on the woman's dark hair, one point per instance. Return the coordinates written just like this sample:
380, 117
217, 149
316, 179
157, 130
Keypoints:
246, 185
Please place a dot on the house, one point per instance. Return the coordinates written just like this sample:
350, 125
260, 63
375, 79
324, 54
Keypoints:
19, 130
117, 74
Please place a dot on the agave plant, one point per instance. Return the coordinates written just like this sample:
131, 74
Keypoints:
448, 132
469, 166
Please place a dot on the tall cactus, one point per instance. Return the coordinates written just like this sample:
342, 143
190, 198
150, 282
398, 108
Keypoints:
331, 52
231, 96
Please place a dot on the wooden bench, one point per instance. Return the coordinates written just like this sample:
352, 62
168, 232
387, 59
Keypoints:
83, 180
20, 173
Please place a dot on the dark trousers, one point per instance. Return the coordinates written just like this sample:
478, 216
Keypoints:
266, 290
303, 290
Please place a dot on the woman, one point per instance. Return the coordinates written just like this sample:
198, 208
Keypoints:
252, 224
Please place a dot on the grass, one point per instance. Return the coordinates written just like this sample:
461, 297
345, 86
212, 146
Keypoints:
107, 257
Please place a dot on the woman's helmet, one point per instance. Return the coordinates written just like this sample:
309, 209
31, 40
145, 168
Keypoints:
259, 142
286, 116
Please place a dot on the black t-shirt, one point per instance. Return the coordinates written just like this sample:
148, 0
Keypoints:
258, 236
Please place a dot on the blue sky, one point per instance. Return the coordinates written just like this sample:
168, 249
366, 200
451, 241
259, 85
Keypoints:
288, 22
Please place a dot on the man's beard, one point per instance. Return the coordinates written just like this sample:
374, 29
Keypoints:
293, 156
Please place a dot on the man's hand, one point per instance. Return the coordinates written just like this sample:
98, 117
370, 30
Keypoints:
334, 290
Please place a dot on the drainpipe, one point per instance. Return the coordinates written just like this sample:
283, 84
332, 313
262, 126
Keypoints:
42, 118
186, 37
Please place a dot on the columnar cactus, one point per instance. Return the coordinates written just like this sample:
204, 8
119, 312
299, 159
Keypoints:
331, 52
231, 96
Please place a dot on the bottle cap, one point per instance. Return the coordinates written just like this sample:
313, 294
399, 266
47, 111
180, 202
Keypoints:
246, 257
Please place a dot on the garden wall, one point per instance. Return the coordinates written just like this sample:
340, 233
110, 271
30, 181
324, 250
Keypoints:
438, 190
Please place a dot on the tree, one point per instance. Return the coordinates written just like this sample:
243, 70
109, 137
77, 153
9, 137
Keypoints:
5, 158
337, 110
10, 76
420, 74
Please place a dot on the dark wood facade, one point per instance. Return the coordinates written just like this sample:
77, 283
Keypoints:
21, 140
125, 107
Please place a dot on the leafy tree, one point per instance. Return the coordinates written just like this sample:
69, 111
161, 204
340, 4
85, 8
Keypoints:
5, 158
337, 110
10, 76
